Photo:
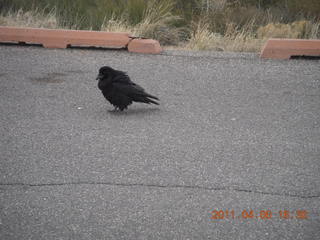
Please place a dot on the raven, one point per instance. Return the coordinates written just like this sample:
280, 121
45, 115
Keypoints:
119, 90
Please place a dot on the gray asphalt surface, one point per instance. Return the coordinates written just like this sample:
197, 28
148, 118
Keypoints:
232, 132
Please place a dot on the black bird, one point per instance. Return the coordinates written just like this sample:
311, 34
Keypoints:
119, 90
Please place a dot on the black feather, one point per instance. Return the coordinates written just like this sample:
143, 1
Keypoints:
120, 91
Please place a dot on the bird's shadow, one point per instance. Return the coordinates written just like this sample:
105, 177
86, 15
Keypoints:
133, 111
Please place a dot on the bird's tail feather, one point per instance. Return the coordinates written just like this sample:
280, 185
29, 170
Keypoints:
154, 102
151, 96
144, 99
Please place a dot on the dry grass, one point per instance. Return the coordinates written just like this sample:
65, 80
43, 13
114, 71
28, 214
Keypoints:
157, 22
247, 39
203, 39
224, 27
297, 29
117, 25
233, 40
36, 18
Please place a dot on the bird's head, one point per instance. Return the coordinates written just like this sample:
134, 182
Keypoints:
105, 72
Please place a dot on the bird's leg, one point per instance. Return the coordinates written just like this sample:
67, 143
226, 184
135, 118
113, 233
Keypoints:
114, 110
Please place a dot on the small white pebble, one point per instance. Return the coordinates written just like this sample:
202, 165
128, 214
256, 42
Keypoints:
79, 108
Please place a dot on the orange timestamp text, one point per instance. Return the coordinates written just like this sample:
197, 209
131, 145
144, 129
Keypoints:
260, 214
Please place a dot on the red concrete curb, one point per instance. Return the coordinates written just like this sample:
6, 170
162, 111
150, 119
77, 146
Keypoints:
144, 46
286, 48
58, 38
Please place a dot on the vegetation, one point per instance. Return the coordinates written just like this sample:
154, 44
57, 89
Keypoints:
225, 25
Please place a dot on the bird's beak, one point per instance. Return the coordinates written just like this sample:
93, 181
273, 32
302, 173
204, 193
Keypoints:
100, 76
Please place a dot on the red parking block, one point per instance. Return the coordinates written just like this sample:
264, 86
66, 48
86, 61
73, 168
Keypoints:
56, 38
286, 48
144, 46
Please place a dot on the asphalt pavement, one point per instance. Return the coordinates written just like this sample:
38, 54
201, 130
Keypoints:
232, 133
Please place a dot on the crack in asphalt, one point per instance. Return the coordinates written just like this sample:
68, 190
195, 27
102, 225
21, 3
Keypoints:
222, 188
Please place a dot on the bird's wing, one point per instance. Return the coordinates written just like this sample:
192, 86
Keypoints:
123, 84
136, 92
123, 78
129, 89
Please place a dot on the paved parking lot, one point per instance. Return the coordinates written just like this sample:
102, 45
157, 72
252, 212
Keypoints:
233, 132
